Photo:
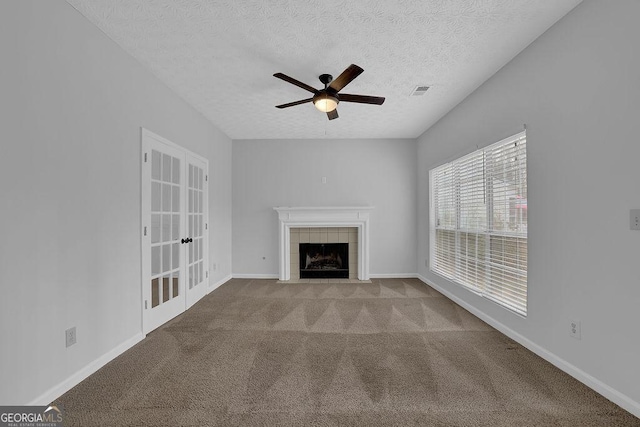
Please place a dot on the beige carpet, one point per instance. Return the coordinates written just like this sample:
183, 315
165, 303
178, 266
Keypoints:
392, 352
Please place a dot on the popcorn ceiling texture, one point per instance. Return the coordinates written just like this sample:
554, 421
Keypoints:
220, 55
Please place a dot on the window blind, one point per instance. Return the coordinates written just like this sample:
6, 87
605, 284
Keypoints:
479, 222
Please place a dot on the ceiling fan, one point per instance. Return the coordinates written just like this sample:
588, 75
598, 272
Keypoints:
327, 99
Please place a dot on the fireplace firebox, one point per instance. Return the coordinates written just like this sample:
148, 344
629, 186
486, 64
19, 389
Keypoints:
324, 260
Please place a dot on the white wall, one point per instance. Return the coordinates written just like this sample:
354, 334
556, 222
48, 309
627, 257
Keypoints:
379, 172
71, 106
577, 89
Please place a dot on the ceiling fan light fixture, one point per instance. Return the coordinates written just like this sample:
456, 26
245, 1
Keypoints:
325, 102
327, 99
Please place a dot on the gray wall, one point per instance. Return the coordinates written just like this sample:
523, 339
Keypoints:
379, 172
72, 103
577, 89
71, 107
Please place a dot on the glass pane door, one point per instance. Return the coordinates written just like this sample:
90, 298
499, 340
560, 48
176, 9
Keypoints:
163, 221
175, 236
196, 230
165, 228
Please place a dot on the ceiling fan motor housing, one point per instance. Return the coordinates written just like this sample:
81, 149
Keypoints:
326, 100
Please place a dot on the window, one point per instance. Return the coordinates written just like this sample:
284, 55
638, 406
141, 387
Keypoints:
478, 230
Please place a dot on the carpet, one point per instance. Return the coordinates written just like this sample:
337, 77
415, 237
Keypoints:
393, 352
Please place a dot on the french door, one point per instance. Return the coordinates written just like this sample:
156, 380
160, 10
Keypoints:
174, 230
197, 227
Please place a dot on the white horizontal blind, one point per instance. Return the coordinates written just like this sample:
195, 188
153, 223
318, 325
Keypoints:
445, 208
479, 205
472, 220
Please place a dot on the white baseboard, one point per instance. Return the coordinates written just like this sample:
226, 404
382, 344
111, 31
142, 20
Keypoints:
220, 282
256, 276
393, 276
58, 390
75, 379
610, 393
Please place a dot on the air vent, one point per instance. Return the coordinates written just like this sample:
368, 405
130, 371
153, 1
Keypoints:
419, 90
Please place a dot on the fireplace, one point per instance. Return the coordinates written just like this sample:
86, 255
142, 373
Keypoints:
324, 260
323, 225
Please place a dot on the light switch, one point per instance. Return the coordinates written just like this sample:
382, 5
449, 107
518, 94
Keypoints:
324, 179
635, 219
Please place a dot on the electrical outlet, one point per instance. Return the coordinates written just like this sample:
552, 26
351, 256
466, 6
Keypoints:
575, 329
635, 219
214, 266
70, 336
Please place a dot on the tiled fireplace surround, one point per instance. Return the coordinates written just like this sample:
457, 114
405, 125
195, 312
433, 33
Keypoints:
323, 225
324, 235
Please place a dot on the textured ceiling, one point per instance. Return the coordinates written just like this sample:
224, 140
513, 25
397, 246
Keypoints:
220, 56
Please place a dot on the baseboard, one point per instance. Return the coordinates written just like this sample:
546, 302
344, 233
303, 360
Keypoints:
610, 393
620, 399
393, 276
220, 282
75, 379
256, 276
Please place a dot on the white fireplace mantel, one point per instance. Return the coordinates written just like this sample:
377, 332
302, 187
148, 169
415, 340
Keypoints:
302, 217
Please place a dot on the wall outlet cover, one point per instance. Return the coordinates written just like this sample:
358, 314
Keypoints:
575, 329
634, 219
70, 336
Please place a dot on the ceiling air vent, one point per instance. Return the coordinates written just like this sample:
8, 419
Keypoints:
419, 90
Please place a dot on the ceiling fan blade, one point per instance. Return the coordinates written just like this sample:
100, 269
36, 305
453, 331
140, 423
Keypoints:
291, 104
361, 99
333, 114
346, 77
295, 82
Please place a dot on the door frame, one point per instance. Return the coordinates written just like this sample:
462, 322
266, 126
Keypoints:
145, 226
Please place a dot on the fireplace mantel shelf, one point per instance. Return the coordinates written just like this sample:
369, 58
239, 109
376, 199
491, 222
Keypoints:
286, 212
324, 216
